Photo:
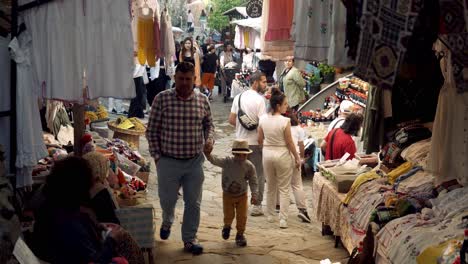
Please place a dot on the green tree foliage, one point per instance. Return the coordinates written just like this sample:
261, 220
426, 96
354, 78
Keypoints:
216, 20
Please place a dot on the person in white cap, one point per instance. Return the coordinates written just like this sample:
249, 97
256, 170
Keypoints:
346, 108
236, 174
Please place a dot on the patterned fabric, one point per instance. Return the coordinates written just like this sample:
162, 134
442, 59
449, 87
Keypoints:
179, 128
454, 34
326, 203
127, 247
311, 18
385, 28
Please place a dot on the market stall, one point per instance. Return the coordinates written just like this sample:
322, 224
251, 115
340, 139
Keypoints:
69, 100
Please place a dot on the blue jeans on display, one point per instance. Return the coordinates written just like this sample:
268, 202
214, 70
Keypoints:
172, 174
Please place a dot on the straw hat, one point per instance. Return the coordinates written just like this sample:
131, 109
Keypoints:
240, 146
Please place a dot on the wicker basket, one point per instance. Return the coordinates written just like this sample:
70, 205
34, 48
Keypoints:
131, 136
143, 175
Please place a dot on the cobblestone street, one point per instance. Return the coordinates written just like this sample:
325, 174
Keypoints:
267, 243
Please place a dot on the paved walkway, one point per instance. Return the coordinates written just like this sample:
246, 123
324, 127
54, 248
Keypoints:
267, 243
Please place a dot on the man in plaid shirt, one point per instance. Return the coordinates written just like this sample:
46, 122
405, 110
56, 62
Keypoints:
180, 127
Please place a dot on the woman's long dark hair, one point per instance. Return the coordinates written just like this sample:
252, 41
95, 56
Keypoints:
277, 98
183, 50
352, 124
68, 184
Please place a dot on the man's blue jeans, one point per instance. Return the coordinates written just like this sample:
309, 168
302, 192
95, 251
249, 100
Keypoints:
172, 174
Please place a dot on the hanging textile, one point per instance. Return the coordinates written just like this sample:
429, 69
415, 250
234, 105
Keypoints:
280, 20
157, 37
238, 37
73, 37
311, 29
353, 28
385, 27
337, 53
146, 38
30, 145
454, 33
167, 41
274, 49
109, 71
449, 148
5, 96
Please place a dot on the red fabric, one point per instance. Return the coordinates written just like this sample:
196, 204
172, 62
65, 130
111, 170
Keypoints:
157, 38
280, 19
342, 143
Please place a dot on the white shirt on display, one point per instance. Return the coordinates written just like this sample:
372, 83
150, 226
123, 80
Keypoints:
254, 105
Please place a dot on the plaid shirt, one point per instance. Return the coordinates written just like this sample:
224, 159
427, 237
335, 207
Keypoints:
179, 128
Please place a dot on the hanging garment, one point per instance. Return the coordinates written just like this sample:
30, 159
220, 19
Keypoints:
337, 53
385, 30
448, 157
72, 37
146, 38
5, 96
311, 29
167, 41
109, 71
58, 50
157, 37
30, 145
280, 17
455, 35
274, 49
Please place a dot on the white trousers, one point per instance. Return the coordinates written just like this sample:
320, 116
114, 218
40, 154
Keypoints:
297, 188
278, 171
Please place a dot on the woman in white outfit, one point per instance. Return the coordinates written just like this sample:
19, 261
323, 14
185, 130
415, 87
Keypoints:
274, 133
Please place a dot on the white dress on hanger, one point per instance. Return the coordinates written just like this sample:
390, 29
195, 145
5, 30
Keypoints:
449, 148
30, 144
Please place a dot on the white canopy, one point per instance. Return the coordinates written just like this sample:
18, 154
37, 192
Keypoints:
255, 23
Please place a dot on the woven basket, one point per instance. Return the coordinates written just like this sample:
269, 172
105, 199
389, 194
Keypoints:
130, 136
113, 126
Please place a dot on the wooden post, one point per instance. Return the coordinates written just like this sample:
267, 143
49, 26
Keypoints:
79, 127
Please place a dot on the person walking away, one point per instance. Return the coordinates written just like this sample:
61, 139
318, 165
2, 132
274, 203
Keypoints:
190, 20
298, 135
292, 83
236, 174
274, 134
203, 20
189, 53
180, 126
209, 65
339, 141
252, 103
346, 108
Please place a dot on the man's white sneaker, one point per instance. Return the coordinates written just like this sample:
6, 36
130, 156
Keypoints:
256, 210
283, 223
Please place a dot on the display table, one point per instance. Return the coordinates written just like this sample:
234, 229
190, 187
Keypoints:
138, 221
326, 205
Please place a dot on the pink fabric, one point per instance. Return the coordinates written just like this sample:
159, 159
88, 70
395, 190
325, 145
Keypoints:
280, 19
157, 37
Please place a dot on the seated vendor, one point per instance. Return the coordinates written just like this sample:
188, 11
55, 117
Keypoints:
339, 141
64, 232
102, 201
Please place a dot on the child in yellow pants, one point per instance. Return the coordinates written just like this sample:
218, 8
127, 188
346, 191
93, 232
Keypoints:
237, 173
